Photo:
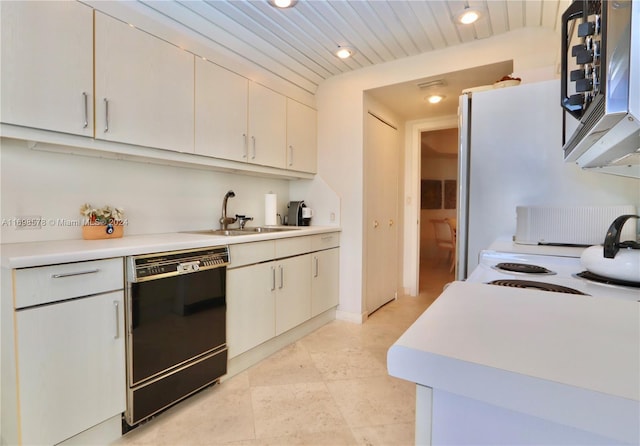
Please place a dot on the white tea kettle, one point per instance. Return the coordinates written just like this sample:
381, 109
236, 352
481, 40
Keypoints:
614, 260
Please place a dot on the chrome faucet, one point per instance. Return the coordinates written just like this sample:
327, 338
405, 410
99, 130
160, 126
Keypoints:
242, 220
224, 220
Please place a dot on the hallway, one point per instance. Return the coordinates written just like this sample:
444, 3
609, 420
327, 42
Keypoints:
329, 388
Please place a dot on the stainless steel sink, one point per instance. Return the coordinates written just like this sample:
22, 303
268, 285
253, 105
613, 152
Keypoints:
244, 231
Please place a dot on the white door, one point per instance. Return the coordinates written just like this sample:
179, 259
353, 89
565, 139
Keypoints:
221, 112
47, 66
144, 88
381, 152
293, 292
251, 308
301, 137
71, 366
325, 273
267, 126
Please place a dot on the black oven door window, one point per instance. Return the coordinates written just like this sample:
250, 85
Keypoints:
176, 319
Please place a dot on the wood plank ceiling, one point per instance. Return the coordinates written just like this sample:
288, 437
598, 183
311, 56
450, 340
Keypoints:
298, 43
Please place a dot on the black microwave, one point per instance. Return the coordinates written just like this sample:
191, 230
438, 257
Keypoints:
600, 84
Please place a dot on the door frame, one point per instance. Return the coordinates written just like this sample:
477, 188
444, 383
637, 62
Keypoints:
411, 249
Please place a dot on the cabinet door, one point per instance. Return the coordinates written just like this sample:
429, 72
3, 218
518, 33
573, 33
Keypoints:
47, 66
324, 283
301, 137
251, 309
220, 112
144, 88
293, 293
267, 126
71, 366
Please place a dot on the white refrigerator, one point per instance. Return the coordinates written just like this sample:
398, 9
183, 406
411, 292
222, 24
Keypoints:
511, 155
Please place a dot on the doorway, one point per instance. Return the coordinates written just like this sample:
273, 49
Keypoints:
438, 202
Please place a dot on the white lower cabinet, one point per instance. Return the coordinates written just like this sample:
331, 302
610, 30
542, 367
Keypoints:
265, 300
68, 343
271, 288
251, 309
71, 366
293, 292
325, 280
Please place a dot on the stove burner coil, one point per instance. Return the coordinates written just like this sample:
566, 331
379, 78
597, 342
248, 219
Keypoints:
542, 286
587, 275
523, 268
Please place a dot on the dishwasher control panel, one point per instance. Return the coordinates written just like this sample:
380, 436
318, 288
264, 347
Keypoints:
166, 264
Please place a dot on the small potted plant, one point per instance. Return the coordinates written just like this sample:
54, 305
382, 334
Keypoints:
100, 223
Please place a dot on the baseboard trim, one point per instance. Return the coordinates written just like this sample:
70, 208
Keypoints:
347, 316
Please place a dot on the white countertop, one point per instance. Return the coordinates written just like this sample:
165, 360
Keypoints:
22, 255
570, 359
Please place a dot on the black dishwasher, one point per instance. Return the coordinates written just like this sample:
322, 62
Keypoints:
176, 327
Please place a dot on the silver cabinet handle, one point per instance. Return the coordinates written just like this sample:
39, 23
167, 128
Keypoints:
245, 154
86, 109
253, 142
273, 278
281, 277
291, 155
390, 222
315, 259
116, 305
106, 115
76, 273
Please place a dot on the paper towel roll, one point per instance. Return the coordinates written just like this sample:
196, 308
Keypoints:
270, 209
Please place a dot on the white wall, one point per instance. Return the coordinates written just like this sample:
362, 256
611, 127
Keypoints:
156, 198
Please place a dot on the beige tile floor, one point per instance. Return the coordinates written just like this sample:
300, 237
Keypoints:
329, 388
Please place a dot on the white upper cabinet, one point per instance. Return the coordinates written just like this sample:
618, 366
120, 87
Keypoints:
47, 66
267, 127
144, 88
240, 120
221, 112
302, 135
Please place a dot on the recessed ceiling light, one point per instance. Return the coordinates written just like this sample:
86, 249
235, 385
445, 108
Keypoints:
468, 15
282, 4
435, 98
345, 52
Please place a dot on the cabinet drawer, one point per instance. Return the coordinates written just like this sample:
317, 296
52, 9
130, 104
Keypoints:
325, 241
43, 284
248, 253
288, 247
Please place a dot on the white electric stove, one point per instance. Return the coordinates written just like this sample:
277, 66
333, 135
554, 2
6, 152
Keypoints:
544, 268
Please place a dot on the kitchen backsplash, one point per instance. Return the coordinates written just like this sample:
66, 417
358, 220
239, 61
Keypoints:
156, 198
